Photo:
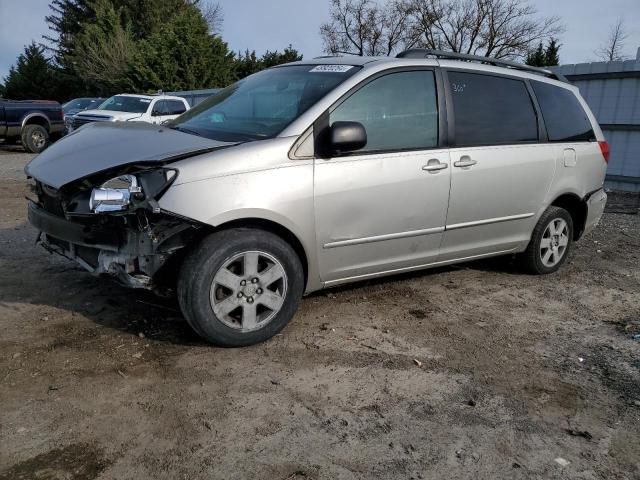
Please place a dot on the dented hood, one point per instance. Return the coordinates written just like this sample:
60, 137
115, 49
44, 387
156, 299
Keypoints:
101, 146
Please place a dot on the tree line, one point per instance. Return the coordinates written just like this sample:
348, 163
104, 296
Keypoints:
509, 29
493, 28
102, 47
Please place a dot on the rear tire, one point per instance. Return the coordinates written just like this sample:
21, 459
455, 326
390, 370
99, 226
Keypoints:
240, 286
35, 138
550, 244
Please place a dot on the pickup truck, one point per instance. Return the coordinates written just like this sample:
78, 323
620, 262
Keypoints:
33, 122
127, 107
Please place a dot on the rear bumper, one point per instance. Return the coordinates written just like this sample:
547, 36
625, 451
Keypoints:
595, 207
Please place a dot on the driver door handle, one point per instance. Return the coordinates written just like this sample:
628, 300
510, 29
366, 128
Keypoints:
465, 161
434, 165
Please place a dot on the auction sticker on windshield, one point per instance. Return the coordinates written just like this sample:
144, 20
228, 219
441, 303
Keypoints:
332, 68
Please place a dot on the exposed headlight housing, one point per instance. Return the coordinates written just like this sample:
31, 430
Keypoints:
115, 194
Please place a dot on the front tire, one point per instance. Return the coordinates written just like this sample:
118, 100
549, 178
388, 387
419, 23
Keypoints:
35, 138
550, 244
240, 286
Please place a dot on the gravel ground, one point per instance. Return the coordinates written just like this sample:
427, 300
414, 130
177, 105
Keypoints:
473, 371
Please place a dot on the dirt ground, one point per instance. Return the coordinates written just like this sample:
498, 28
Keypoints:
473, 371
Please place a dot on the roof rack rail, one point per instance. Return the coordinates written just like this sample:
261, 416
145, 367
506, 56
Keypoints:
428, 52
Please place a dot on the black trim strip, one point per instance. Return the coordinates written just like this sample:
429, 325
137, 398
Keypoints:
622, 179
627, 127
602, 76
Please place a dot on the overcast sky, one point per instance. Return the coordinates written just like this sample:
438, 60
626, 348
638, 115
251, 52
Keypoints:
273, 24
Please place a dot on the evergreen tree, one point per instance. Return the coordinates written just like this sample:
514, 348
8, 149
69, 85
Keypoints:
31, 77
102, 47
103, 52
107, 46
271, 59
536, 58
249, 63
181, 55
544, 57
551, 53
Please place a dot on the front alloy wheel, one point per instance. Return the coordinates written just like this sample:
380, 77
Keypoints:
248, 290
240, 286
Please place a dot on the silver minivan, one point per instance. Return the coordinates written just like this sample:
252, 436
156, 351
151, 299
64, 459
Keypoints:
324, 172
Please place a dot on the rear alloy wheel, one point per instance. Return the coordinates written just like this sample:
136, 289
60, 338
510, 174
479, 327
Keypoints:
240, 286
35, 138
550, 243
554, 242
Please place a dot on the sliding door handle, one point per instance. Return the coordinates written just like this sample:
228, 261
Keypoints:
465, 161
434, 165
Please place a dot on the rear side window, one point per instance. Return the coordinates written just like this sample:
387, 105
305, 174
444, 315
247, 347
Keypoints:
160, 108
175, 107
491, 110
398, 111
564, 117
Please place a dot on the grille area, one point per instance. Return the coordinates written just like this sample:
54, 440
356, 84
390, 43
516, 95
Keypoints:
79, 121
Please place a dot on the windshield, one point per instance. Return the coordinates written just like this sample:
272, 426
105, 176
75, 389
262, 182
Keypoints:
122, 103
262, 105
78, 104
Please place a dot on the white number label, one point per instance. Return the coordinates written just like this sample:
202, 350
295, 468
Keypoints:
458, 87
332, 68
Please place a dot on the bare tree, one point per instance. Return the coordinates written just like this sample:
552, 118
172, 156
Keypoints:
364, 27
212, 13
611, 50
497, 28
493, 28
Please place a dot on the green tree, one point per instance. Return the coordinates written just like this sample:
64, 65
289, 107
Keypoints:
104, 51
106, 46
248, 63
552, 53
271, 59
31, 77
181, 55
544, 57
537, 57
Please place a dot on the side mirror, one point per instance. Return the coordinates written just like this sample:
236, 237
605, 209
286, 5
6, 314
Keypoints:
347, 136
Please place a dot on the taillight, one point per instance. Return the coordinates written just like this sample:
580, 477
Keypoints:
604, 148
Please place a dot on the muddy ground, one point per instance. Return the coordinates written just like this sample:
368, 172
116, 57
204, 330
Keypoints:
473, 371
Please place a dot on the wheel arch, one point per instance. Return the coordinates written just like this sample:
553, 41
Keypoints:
36, 118
273, 227
577, 208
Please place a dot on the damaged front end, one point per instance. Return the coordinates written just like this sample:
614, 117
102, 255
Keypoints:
111, 223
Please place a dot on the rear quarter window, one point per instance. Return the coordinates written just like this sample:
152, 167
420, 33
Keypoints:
491, 110
564, 117
176, 107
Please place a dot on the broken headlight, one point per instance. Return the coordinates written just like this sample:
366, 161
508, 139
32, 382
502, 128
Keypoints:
131, 191
115, 194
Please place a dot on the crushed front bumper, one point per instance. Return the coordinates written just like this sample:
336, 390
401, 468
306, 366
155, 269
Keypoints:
132, 255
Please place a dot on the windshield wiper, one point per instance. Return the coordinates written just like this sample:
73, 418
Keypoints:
186, 130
